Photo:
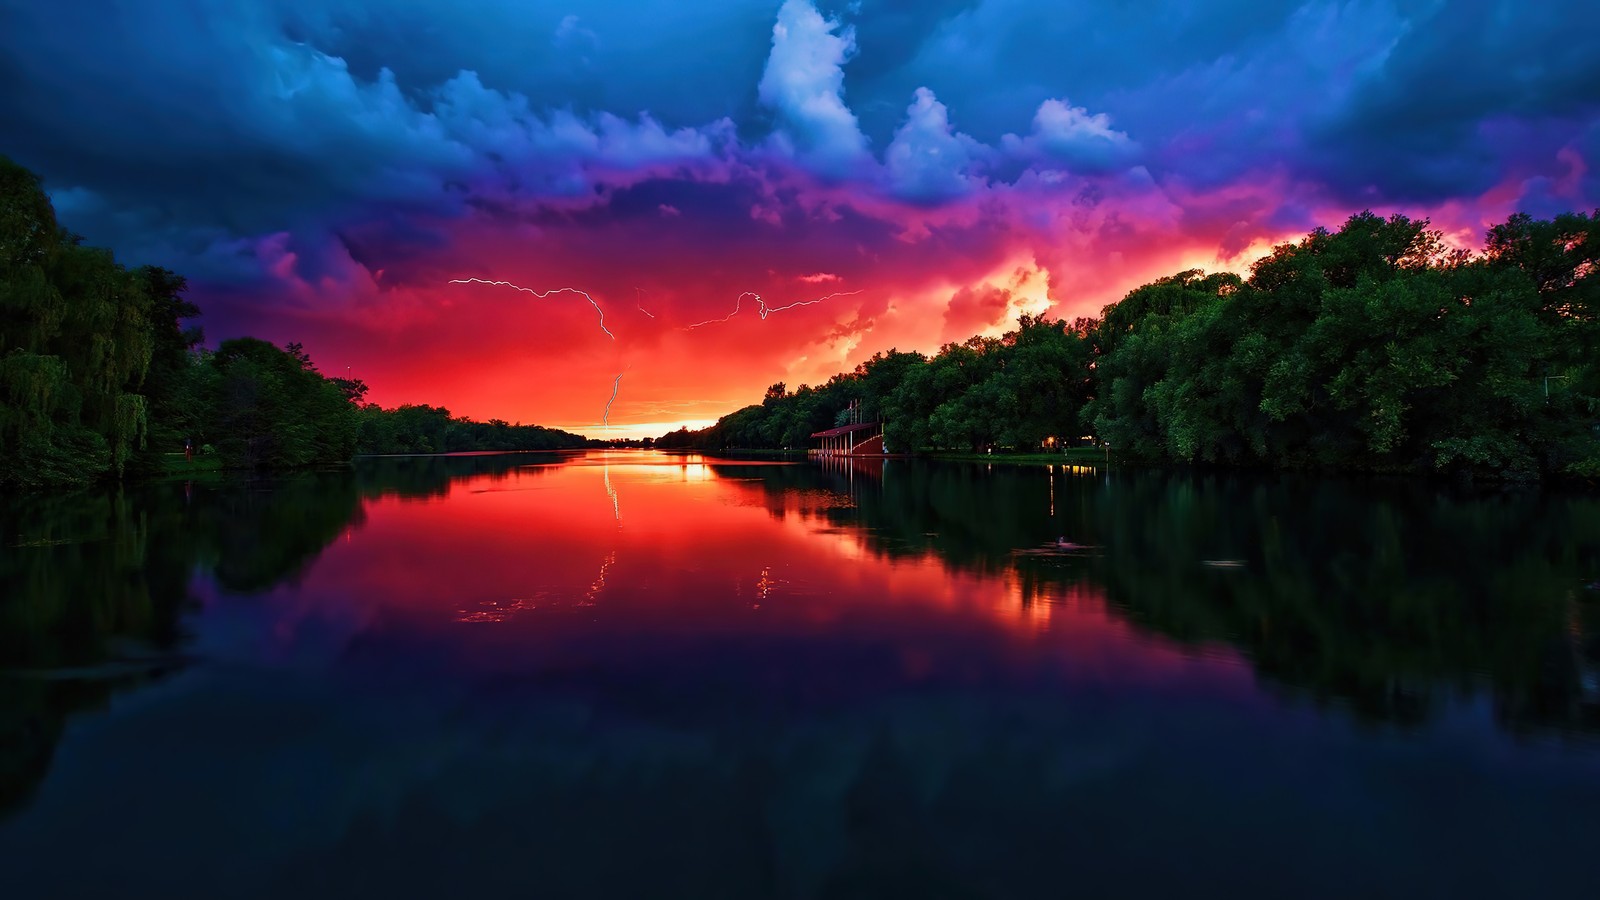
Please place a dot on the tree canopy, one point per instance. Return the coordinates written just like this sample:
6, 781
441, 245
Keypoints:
101, 377
1372, 348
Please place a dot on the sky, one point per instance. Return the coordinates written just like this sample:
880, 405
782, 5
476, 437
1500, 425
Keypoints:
738, 193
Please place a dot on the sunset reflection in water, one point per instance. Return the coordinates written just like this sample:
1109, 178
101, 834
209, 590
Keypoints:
544, 563
634, 674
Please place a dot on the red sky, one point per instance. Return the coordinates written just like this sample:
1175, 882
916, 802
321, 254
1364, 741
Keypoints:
869, 277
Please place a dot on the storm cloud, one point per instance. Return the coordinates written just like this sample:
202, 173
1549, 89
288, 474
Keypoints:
316, 167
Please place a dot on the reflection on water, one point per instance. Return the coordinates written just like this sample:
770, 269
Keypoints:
633, 674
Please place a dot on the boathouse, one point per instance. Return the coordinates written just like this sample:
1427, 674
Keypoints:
862, 439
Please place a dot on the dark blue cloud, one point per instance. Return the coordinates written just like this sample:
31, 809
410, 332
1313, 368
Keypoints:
185, 129
995, 61
683, 63
1468, 90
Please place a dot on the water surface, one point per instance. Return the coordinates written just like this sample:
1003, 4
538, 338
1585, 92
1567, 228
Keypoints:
642, 675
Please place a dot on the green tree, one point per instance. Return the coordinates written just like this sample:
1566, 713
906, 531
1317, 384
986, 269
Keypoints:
274, 410
173, 383
75, 328
1374, 348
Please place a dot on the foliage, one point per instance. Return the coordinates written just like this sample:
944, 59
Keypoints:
98, 373
431, 429
271, 408
100, 377
1372, 348
170, 385
75, 346
1017, 390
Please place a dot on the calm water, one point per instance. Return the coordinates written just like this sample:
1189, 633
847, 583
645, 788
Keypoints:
636, 675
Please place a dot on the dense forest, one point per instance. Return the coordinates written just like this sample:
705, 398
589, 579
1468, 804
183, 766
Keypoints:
1372, 348
100, 378
431, 429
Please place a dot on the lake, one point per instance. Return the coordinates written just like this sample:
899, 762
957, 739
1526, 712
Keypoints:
629, 674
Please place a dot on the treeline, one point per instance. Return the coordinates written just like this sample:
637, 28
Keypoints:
100, 378
1013, 391
1373, 348
431, 429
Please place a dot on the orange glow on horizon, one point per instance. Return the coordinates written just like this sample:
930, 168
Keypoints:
488, 352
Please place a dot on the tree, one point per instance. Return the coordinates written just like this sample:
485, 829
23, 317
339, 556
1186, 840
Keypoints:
172, 385
274, 410
1370, 348
77, 343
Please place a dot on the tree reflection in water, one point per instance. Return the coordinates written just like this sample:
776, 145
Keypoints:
1380, 597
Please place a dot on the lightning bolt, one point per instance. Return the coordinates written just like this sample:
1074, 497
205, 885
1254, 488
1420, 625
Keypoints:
766, 310
600, 582
616, 383
736, 301
762, 309
543, 294
616, 508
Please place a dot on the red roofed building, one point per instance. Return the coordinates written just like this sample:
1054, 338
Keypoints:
865, 439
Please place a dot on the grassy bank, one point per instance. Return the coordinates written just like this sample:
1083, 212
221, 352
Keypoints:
174, 464
1077, 456
736, 452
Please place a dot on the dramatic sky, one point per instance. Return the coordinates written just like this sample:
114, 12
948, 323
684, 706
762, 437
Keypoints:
321, 170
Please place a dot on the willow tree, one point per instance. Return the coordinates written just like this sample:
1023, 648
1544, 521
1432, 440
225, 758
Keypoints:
75, 344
